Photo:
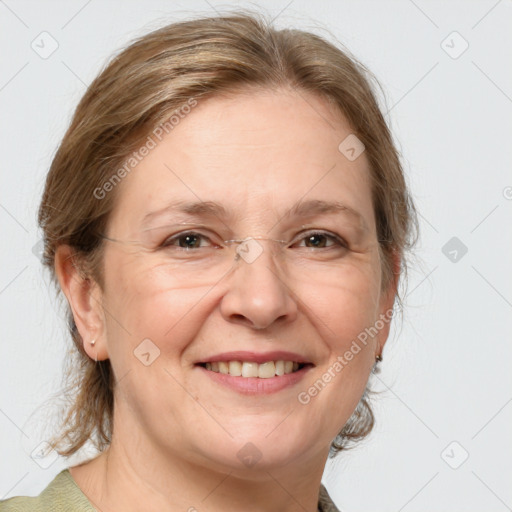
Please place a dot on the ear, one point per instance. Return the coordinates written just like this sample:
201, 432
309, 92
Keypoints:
387, 301
84, 297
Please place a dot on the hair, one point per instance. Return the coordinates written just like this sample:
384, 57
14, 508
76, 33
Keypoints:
154, 77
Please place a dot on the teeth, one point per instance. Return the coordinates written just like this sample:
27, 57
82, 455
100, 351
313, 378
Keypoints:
266, 370
235, 368
249, 369
252, 369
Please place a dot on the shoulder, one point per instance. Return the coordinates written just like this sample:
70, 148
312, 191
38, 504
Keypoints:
61, 495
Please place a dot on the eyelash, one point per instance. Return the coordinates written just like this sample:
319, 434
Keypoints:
332, 237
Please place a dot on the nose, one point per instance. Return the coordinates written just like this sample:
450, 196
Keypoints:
258, 293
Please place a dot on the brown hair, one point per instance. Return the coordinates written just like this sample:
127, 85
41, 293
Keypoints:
138, 90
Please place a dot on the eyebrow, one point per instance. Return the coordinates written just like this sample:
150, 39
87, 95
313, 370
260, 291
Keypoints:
307, 208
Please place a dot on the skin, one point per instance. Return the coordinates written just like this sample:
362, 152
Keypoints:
176, 432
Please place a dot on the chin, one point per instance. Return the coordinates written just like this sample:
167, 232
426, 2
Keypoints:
251, 454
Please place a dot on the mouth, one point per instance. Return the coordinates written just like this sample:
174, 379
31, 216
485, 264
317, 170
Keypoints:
252, 369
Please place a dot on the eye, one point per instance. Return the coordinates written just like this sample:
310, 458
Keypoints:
187, 240
321, 240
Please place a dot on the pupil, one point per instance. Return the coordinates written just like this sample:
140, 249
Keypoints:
316, 240
188, 241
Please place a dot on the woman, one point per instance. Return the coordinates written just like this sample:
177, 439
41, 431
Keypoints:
227, 218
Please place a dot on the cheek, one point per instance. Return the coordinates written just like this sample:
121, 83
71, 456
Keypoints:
148, 304
342, 314
145, 307
152, 305
344, 308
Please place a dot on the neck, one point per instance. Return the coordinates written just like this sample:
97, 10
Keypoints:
151, 480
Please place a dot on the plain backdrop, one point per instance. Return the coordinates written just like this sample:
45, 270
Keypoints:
442, 440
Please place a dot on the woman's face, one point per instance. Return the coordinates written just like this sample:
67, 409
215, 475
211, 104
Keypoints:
265, 165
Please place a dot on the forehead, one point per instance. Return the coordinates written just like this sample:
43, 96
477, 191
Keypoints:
252, 153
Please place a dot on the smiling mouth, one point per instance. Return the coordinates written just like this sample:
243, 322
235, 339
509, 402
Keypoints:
252, 369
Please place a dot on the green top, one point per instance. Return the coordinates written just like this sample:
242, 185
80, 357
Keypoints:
63, 495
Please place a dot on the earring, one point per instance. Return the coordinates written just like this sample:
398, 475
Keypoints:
92, 342
376, 366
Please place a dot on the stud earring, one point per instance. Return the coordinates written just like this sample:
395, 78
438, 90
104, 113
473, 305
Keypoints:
92, 342
376, 366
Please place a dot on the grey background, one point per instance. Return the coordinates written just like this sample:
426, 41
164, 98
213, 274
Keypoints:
446, 372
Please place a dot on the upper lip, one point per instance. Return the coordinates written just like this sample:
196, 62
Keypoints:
256, 357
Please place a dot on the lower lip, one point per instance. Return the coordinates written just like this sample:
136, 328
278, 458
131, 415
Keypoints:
255, 385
